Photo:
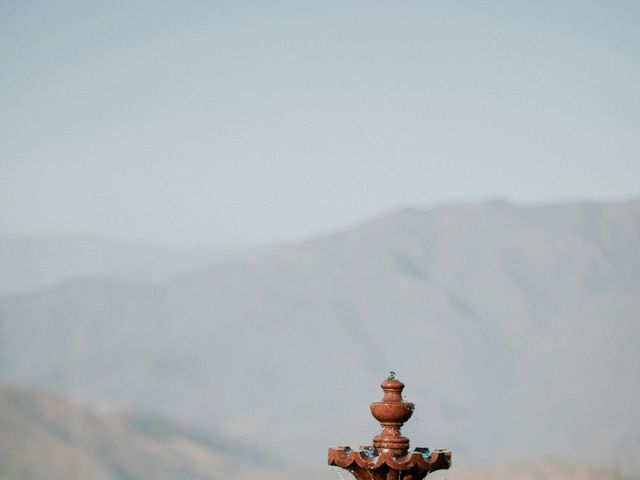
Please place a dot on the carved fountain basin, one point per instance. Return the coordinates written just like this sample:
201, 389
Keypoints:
392, 412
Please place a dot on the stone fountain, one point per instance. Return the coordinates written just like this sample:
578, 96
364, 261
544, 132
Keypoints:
389, 457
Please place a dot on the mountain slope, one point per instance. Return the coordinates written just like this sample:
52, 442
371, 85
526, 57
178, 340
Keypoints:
514, 329
46, 437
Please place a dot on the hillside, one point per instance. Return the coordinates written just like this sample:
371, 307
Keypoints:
44, 437
543, 469
514, 328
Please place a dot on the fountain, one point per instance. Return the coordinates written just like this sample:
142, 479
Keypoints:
389, 458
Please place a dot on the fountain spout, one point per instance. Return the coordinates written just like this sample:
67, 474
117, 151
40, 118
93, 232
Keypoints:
389, 457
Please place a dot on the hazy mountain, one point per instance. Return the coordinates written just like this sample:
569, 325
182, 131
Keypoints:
29, 262
515, 330
43, 437
543, 469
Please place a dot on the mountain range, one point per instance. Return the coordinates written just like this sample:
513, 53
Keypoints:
44, 436
514, 328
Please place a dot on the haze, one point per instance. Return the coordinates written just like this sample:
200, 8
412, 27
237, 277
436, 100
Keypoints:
248, 123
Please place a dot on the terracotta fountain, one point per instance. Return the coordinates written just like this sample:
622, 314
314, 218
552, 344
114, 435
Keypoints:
389, 457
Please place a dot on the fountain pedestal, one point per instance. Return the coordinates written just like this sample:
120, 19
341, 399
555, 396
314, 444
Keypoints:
389, 457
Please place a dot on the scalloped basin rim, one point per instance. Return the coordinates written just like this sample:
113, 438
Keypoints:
345, 457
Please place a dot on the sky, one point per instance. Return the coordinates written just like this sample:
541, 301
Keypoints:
191, 123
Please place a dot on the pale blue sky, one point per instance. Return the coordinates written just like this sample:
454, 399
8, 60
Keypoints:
251, 122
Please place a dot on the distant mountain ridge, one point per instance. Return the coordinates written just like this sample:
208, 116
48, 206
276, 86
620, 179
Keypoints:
47, 437
514, 328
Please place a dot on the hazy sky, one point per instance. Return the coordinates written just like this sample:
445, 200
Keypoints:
225, 122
